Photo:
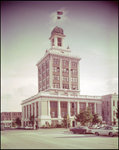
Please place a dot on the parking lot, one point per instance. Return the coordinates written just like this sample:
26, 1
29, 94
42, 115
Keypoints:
54, 139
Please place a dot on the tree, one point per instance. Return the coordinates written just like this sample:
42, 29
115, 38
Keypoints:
84, 116
18, 121
117, 116
96, 119
65, 120
31, 120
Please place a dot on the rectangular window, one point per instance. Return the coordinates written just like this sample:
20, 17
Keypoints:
113, 102
107, 103
114, 113
59, 40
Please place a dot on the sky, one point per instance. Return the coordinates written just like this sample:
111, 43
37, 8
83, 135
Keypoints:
91, 29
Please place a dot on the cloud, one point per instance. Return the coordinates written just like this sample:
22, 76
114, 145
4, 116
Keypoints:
53, 18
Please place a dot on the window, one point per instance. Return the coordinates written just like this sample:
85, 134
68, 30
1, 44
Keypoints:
65, 86
113, 102
47, 86
59, 40
55, 61
53, 114
63, 105
107, 103
74, 87
65, 78
47, 64
56, 85
114, 113
73, 71
65, 70
65, 62
55, 77
47, 71
53, 104
107, 113
74, 64
73, 79
56, 69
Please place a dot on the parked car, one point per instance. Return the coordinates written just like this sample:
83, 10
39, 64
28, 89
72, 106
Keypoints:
28, 128
17, 127
2, 127
81, 129
109, 130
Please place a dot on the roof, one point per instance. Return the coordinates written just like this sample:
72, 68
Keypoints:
57, 30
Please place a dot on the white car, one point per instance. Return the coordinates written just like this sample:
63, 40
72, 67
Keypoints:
111, 131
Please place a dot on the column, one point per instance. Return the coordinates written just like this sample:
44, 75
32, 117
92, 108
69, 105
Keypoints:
26, 111
29, 110
32, 109
39, 109
69, 73
61, 72
38, 81
77, 107
94, 107
48, 108
35, 109
86, 104
59, 113
78, 77
55, 41
50, 71
69, 108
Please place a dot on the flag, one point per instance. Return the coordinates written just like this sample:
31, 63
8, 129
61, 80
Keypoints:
58, 17
59, 12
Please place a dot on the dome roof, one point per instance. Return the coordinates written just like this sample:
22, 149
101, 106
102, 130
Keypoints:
57, 30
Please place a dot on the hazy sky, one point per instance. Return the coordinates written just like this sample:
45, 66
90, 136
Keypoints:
91, 29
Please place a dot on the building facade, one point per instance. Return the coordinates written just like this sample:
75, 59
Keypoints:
58, 87
109, 108
8, 117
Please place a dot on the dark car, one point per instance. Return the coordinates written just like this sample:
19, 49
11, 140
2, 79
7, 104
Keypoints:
81, 129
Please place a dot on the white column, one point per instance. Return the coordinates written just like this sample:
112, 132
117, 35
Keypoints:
69, 73
78, 77
94, 107
59, 113
26, 111
61, 72
22, 112
51, 71
69, 108
32, 109
86, 104
39, 109
49, 108
55, 41
77, 107
35, 109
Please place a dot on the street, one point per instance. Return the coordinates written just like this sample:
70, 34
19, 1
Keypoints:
54, 139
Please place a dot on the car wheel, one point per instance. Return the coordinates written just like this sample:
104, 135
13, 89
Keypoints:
84, 132
74, 132
97, 133
110, 134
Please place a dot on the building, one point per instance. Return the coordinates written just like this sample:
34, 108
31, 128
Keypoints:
109, 108
58, 86
8, 117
